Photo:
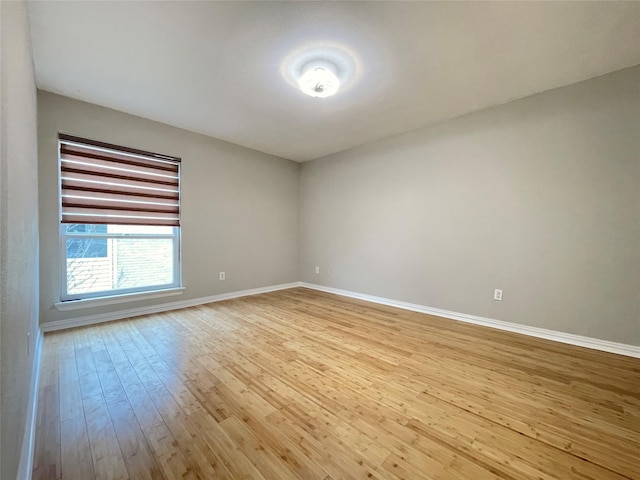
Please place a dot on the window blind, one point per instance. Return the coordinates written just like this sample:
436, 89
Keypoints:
107, 184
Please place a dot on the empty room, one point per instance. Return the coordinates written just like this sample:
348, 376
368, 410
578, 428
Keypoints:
319, 240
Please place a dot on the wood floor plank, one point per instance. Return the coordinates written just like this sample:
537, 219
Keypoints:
108, 461
139, 400
87, 373
136, 453
234, 460
47, 454
69, 385
110, 383
299, 384
171, 459
77, 461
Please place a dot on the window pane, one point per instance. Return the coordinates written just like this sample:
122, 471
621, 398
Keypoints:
87, 248
143, 262
128, 263
85, 228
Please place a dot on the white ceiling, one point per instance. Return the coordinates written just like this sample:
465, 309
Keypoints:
226, 69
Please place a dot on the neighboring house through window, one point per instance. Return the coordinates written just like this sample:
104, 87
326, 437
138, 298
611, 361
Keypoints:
120, 219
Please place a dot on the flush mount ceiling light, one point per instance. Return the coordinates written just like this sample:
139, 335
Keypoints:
319, 79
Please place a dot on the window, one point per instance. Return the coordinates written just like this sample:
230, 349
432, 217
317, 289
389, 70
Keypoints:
120, 220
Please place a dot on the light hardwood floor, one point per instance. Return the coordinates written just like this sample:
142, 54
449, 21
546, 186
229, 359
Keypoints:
302, 384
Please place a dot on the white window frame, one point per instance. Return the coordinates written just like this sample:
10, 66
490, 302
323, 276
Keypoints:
177, 264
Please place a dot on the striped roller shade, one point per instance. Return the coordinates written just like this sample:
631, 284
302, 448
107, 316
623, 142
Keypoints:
103, 183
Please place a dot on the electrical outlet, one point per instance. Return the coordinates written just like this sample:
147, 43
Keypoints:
317, 269
329, 272
222, 276
497, 295
28, 344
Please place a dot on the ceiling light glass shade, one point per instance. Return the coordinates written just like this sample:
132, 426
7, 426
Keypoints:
319, 79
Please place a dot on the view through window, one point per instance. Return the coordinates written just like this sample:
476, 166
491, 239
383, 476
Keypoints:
104, 258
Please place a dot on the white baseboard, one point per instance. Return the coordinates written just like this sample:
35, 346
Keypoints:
571, 339
29, 439
164, 307
568, 338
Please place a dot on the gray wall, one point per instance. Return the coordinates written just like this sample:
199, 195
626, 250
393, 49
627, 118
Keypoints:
240, 209
539, 197
18, 231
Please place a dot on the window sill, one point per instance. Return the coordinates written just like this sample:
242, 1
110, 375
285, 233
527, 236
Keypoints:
114, 299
